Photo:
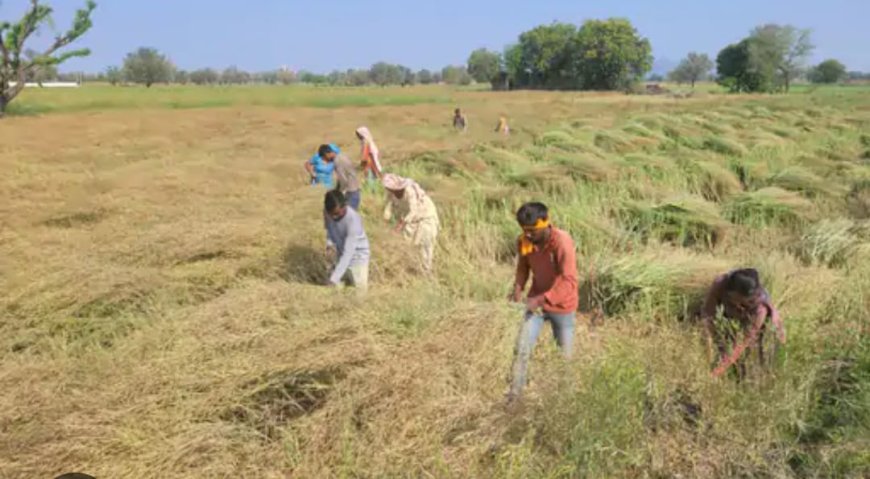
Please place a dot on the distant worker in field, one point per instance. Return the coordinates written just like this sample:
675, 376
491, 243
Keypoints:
371, 158
344, 228
320, 170
417, 217
548, 253
502, 126
746, 307
345, 174
460, 122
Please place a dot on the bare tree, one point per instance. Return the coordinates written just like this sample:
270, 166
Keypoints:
695, 67
16, 66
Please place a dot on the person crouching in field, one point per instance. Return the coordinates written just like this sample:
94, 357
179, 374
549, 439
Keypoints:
502, 126
344, 228
746, 306
416, 214
460, 121
320, 170
548, 253
345, 174
371, 158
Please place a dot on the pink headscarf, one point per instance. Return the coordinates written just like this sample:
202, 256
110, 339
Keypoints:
367, 139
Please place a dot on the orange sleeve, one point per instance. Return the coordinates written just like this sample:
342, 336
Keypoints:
565, 284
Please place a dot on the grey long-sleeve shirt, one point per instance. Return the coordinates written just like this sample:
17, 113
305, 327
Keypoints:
350, 240
345, 172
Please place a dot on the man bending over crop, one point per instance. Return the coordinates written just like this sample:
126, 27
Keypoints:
745, 306
548, 253
344, 227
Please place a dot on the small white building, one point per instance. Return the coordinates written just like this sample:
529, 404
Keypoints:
49, 84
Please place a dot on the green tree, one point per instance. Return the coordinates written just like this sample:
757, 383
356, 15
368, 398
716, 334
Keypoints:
409, 78
540, 58
734, 70
484, 65
425, 77
114, 75
512, 61
829, 71
358, 77
695, 67
15, 66
234, 76
285, 76
147, 66
779, 53
205, 76
455, 75
384, 74
608, 55
181, 77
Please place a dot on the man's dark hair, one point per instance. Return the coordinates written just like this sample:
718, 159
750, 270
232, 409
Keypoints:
743, 281
334, 199
323, 150
530, 213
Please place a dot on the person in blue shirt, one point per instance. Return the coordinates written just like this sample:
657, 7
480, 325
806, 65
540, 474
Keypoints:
321, 171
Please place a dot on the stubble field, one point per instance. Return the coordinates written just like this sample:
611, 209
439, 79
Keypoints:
161, 313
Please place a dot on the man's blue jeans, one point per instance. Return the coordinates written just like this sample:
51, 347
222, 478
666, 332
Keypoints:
353, 199
563, 332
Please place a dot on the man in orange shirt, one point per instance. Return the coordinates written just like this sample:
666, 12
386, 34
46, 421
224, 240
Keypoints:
548, 253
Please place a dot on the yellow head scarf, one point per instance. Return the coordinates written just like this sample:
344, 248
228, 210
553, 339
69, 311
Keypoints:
526, 246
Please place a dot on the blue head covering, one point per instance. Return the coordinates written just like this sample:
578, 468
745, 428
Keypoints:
323, 170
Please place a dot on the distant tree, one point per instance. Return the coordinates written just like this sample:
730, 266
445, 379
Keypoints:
268, 77
358, 77
854, 75
608, 55
234, 76
484, 65
455, 75
513, 65
181, 77
655, 77
829, 71
338, 78
540, 58
425, 77
409, 78
114, 75
14, 36
205, 76
383, 74
437, 77
735, 72
147, 66
694, 68
286, 77
312, 78
779, 53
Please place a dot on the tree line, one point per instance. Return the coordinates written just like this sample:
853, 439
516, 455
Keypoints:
597, 55
147, 66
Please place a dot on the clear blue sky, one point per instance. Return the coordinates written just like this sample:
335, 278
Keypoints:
322, 35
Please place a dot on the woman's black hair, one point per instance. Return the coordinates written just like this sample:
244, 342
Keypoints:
744, 281
324, 150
